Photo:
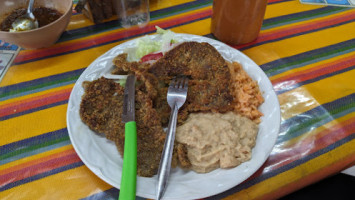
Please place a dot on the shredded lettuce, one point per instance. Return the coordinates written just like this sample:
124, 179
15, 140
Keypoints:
167, 35
167, 38
145, 45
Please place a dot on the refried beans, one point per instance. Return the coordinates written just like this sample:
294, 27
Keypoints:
216, 140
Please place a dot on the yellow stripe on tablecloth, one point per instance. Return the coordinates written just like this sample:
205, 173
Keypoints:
335, 86
78, 21
259, 190
286, 8
197, 28
273, 51
20, 128
55, 65
309, 96
75, 183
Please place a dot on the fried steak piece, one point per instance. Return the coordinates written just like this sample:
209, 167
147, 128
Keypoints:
200, 61
101, 103
101, 109
209, 76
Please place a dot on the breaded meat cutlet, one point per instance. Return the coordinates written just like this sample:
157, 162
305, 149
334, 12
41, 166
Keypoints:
146, 82
199, 61
101, 109
101, 103
209, 75
125, 67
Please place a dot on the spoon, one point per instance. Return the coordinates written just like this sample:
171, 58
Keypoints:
26, 22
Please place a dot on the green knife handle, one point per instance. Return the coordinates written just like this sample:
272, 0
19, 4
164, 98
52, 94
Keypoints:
129, 170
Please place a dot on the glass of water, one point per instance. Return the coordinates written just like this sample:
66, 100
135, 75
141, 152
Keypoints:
133, 12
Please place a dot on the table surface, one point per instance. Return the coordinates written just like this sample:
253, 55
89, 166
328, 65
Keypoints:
307, 51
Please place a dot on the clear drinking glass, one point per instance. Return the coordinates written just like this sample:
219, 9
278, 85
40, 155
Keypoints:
133, 12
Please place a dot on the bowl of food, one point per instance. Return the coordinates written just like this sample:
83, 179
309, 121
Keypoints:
52, 16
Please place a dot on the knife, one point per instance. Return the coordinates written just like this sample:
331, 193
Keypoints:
129, 169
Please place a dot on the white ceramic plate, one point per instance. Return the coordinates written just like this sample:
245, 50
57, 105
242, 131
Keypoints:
101, 156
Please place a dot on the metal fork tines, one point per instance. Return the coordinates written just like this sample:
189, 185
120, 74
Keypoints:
176, 97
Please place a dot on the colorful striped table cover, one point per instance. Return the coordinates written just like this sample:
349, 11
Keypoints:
307, 51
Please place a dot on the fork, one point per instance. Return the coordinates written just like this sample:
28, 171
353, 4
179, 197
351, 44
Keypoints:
176, 97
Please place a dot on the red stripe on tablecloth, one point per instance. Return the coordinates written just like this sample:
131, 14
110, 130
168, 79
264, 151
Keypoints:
34, 102
37, 161
38, 168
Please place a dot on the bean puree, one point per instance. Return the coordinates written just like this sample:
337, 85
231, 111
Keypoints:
216, 140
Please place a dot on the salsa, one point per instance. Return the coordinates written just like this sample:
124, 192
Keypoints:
43, 15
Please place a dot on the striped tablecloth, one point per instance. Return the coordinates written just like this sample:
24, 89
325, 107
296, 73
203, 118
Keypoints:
307, 51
